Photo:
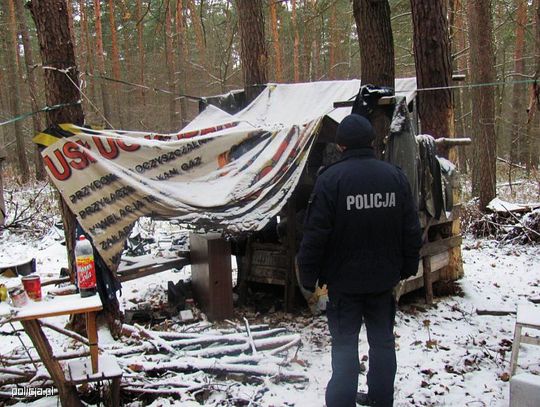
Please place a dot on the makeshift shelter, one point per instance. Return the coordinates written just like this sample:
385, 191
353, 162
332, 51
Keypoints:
227, 173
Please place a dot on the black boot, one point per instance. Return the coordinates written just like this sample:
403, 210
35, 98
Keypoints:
363, 399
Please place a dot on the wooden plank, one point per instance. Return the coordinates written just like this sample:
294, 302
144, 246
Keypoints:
133, 273
266, 280
61, 305
211, 274
439, 246
417, 282
439, 261
66, 392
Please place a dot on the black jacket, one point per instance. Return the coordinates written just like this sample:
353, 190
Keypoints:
361, 232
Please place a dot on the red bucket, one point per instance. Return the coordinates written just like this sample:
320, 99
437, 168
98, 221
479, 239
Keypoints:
32, 286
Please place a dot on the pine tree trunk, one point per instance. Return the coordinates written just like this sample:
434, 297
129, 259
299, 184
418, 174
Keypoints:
377, 56
13, 80
482, 65
307, 43
101, 63
127, 57
460, 65
56, 48
275, 41
296, 46
32, 87
199, 35
140, 45
182, 48
433, 68
115, 63
534, 106
169, 58
518, 141
253, 52
332, 44
87, 61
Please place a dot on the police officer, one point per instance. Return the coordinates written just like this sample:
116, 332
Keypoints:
361, 236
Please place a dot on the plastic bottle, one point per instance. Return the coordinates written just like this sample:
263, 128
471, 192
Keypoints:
86, 270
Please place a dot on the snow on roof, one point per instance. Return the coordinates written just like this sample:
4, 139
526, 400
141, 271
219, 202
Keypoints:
498, 205
283, 105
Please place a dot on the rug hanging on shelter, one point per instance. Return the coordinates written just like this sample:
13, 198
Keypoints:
231, 176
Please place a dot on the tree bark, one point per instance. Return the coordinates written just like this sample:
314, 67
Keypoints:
518, 140
140, 46
275, 41
115, 63
377, 56
332, 44
56, 49
459, 63
101, 63
87, 61
13, 80
199, 34
296, 46
535, 107
482, 65
182, 60
32, 87
169, 59
433, 69
253, 51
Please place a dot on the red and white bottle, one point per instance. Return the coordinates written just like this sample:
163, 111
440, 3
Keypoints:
86, 269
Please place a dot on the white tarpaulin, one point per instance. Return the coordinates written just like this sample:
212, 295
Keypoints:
222, 172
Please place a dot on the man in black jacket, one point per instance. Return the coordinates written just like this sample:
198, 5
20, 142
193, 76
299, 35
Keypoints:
361, 236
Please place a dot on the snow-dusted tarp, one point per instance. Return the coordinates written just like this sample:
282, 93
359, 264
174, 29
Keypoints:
221, 172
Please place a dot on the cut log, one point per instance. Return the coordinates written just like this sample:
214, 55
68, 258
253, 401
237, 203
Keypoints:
215, 366
495, 312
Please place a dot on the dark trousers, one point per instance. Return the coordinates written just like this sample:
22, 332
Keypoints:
345, 316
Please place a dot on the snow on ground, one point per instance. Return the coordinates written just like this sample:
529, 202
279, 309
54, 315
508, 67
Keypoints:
447, 354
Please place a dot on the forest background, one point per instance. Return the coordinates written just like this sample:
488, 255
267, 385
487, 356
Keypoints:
146, 64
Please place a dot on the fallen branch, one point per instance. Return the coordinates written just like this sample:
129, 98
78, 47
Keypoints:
261, 344
215, 366
155, 339
8, 361
495, 312
66, 332
17, 372
250, 338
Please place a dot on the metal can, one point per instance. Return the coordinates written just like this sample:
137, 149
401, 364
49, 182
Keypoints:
18, 296
32, 286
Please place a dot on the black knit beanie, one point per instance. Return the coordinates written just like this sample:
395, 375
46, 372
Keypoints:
355, 131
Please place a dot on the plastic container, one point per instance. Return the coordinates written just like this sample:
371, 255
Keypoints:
18, 296
32, 286
86, 269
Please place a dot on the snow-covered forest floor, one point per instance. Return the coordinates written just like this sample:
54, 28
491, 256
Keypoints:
448, 355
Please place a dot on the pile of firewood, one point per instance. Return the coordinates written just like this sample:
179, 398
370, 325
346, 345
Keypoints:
183, 362
518, 224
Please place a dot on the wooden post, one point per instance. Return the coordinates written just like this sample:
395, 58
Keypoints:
211, 274
428, 284
67, 392
91, 331
2, 202
290, 276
